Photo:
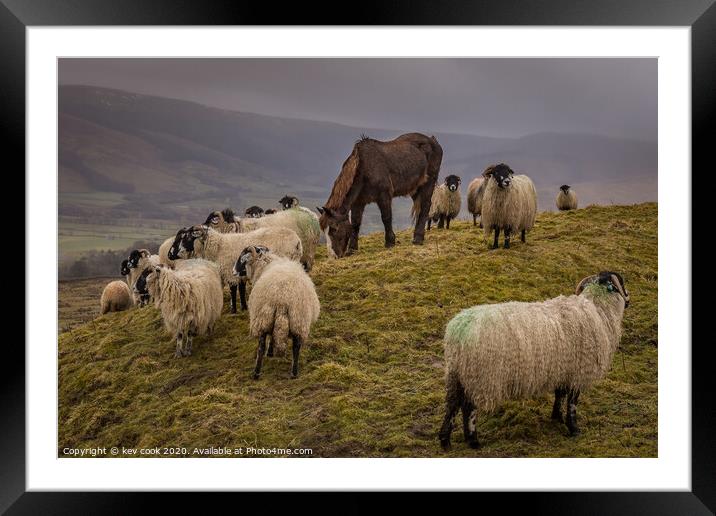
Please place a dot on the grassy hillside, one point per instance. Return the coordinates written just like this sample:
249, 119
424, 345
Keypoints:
371, 381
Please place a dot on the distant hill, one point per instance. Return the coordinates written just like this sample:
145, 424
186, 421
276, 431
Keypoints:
129, 156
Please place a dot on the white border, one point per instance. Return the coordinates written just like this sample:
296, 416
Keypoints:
672, 468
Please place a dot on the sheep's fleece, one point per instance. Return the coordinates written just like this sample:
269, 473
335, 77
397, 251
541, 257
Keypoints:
116, 297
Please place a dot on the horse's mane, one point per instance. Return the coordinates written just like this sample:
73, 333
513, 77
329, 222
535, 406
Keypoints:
347, 176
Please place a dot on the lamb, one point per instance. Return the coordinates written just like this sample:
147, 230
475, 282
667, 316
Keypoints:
189, 298
475, 192
223, 221
254, 212
521, 350
283, 302
509, 203
224, 248
301, 220
566, 198
115, 297
445, 203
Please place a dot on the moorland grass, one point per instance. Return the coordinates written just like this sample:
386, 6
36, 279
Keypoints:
371, 380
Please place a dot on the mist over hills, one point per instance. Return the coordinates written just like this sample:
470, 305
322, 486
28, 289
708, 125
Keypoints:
128, 156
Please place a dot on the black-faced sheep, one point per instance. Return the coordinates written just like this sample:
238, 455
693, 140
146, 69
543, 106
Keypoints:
189, 298
566, 198
254, 212
289, 201
301, 220
283, 301
508, 204
519, 350
115, 297
445, 203
475, 191
224, 248
223, 221
138, 261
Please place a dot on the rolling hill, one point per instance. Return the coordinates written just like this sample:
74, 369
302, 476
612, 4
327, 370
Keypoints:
372, 375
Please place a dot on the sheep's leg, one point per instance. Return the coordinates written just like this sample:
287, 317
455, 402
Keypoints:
497, 236
260, 356
572, 411
269, 353
441, 221
296, 348
474, 219
468, 423
187, 344
232, 291
447, 222
454, 395
356, 220
507, 237
180, 340
242, 295
386, 215
559, 394
522, 237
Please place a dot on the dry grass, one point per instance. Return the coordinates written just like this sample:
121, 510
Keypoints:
371, 381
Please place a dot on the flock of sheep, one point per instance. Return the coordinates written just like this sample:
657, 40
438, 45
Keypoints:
492, 352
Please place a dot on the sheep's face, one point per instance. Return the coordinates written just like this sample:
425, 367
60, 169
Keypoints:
452, 182
337, 227
254, 212
270, 211
564, 188
145, 281
243, 268
135, 256
183, 245
613, 281
502, 174
124, 268
288, 202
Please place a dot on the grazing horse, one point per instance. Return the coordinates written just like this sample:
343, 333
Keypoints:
376, 172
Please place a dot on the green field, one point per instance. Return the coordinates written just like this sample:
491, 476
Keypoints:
372, 376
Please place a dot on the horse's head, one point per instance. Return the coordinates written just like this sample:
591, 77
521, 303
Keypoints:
336, 225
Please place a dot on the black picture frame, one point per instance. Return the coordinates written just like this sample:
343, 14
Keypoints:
700, 15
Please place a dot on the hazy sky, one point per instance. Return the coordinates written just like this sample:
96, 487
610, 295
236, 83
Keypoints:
490, 97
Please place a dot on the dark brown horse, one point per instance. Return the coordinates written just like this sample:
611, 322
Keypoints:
376, 172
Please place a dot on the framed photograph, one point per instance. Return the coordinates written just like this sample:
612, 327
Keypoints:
445, 249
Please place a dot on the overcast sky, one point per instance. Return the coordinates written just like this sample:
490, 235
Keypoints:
490, 97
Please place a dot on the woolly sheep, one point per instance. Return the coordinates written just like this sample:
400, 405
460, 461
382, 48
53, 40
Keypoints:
254, 212
115, 297
475, 192
509, 203
301, 220
445, 203
566, 198
189, 298
283, 302
163, 252
520, 350
138, 261
224, 248
223, 221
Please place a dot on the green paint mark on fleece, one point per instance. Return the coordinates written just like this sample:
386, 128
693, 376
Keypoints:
460, 325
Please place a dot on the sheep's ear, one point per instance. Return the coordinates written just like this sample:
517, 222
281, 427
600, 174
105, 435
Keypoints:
260, 249
586, 281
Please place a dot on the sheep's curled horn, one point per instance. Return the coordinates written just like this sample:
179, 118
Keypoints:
616, 280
